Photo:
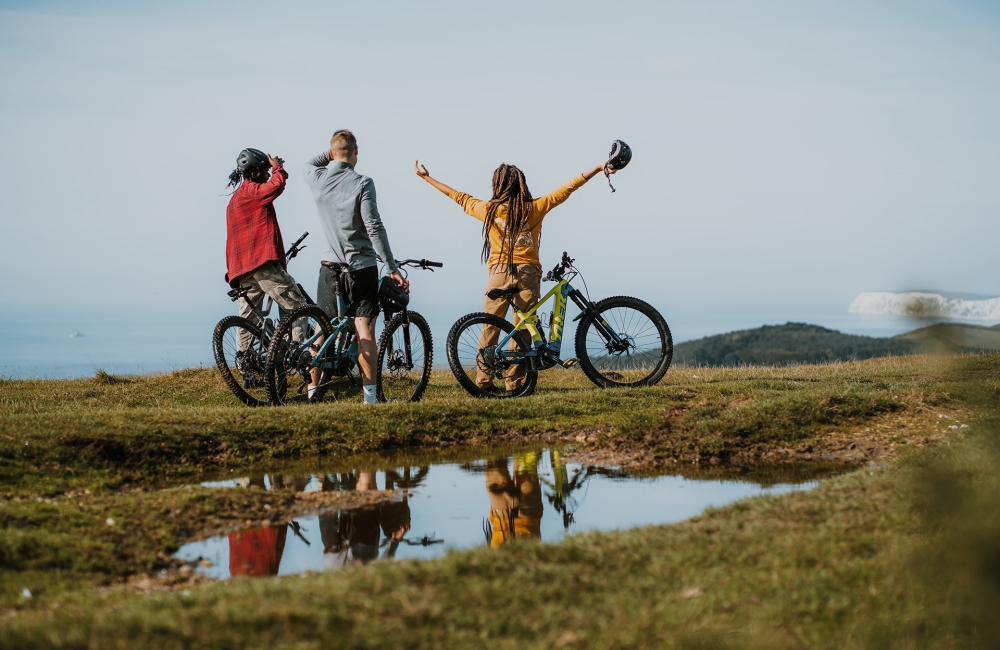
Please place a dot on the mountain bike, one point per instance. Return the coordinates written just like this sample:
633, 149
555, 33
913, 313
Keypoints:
620, 341
240, 345
307, 344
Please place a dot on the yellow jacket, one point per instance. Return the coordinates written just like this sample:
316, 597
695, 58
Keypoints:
526, 246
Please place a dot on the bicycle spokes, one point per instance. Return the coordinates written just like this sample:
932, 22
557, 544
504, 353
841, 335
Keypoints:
627, 348
294, 354
241, 358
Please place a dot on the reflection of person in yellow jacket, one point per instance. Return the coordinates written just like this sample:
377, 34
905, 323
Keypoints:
515, 503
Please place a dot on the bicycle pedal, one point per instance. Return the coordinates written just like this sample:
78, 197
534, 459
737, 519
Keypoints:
569, 363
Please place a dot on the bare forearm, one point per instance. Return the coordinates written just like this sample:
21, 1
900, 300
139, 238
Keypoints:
441, 187
595, 171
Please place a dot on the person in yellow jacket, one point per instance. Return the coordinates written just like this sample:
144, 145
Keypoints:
512, 227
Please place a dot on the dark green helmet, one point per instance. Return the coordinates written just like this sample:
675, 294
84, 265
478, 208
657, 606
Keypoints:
251, 159
620, 155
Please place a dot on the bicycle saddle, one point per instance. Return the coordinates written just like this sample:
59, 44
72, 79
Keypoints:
506, 294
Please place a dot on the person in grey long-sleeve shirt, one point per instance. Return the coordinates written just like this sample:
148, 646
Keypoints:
355, 240
348, 213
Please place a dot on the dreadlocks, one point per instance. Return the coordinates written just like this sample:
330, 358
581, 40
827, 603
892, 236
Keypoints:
255, 174
235, 179
511, 191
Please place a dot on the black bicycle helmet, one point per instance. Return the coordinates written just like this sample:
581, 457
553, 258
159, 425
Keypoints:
250, 159
391, 296
620, 155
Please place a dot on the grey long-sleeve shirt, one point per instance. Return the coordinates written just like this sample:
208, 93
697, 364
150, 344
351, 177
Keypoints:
348, 214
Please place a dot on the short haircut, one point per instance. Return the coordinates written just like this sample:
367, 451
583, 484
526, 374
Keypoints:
343, 143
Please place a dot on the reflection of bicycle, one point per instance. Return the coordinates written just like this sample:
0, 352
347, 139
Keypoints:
240, 345
620, 341
307, 341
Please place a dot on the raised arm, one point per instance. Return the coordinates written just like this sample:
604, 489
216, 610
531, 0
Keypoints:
472, 206
315, 166
597, 170
274, 186
438, 185
550, 201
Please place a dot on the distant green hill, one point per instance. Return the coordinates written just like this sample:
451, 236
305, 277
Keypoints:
954, 337
801, 343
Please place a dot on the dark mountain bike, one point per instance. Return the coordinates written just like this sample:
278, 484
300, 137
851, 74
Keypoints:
307, 340
240, 344
620, 341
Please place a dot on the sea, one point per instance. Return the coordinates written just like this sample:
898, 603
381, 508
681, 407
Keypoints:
49, 344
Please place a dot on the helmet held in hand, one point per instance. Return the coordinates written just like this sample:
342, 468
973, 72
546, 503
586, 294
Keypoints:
391, 296
620, 155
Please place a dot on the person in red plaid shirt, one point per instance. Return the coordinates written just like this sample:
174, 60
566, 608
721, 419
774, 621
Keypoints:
255, 252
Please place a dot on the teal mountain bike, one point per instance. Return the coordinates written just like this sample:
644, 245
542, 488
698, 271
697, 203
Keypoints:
620, 341
308, 344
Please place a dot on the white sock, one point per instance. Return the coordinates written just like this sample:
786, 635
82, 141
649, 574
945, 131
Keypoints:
369, 394
311, 390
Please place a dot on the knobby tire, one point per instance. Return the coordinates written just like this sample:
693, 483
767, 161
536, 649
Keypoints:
227, 369
610, 370
386, 377
456, 346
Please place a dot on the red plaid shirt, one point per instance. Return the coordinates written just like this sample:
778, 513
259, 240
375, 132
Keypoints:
253, 237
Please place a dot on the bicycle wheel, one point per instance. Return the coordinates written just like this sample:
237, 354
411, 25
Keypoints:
397, 380
287, 369
241, 357
645, 351
472, 360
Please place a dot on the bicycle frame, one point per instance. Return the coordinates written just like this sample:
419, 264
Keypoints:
262, 313
547, 351
346, 353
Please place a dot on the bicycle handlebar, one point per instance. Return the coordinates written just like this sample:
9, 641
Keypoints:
560, 268
424, 264
296, 249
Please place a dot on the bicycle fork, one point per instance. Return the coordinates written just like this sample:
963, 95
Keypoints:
407, 349
587, 308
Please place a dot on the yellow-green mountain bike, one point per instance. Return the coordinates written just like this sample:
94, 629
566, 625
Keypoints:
620, 341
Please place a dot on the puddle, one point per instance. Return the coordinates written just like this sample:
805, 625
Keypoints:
490, 501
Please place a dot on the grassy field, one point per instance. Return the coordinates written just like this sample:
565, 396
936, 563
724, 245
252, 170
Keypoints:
110, 433
855, 563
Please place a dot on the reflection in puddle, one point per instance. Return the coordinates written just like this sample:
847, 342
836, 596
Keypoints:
434, 508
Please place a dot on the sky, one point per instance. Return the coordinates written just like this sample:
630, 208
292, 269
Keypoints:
787, 155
